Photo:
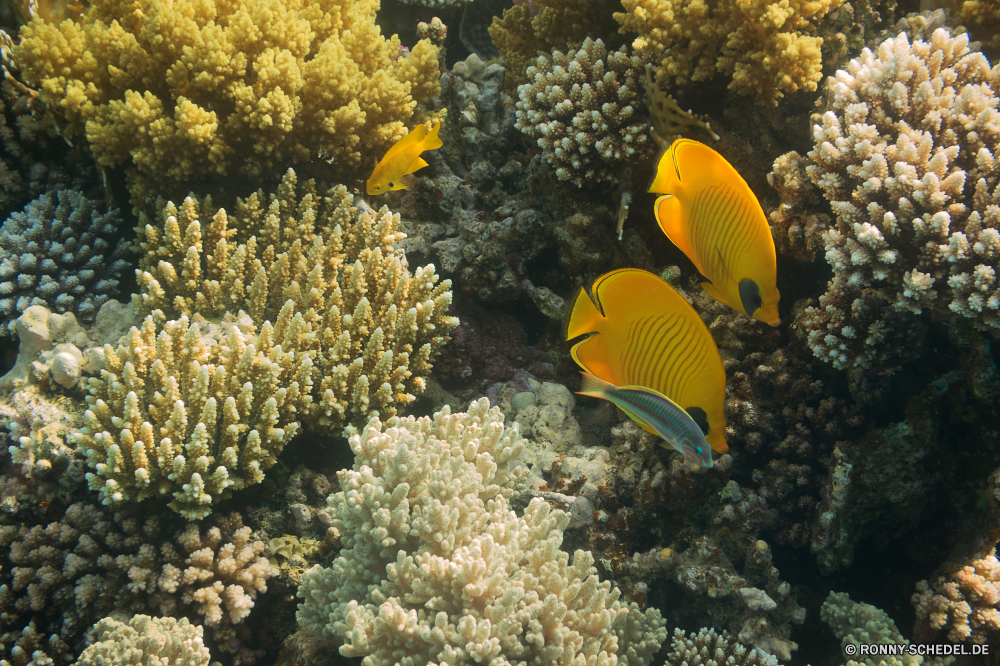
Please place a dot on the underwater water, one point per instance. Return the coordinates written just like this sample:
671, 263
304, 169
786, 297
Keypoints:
584, 332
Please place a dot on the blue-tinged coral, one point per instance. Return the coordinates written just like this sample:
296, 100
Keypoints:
906, 154
61, 252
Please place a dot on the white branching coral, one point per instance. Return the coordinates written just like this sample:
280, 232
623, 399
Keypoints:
907, 157
586, 110
436, 567
146, 641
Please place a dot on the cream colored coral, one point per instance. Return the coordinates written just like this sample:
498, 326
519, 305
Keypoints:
769, 48
146, 641
906, 155
327, 275
458, 575
193, 410
967, 603
178, 89
584, 110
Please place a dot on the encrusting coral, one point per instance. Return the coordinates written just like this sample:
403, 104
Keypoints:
585, 109
60, 251
146, 641
436, 567
769, 48
907, 157
180, 90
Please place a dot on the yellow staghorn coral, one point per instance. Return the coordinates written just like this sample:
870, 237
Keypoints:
765, 46
193, 412
180, 89
314, 264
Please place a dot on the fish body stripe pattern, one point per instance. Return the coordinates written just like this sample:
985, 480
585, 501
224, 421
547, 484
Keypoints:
664, 354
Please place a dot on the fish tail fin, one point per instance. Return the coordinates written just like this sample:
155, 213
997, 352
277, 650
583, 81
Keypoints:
670, 216
594, 386
432, 141
582, 315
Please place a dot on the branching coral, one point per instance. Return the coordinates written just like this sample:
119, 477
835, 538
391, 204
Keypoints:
769, 48
146, 641
907, 157
585, 110
708, 647
967, 603
178, 90
59, 252
460, 576
64, 575
192, 409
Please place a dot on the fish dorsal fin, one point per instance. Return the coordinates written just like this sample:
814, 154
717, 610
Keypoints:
432, 140
418, 163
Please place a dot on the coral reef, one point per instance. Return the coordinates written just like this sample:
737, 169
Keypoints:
181, 90
146, 641
797, 231
445, 536
583, 109
709, 647
769, 49
862, 624
60, 252
62, 576
907, 163
194, 409
537, 27
966, 603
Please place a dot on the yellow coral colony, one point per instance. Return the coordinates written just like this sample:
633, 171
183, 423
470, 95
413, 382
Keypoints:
189, 88
769, 48
329, 328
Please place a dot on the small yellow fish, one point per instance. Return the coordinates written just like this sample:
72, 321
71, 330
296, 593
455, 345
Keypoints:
712, 215
395, 170
641, 332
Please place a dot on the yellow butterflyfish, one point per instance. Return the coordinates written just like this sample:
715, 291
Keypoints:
395, 170
712, 215
642, 333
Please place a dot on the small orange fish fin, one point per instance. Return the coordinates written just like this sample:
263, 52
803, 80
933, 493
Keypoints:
418, 163
432, 140
670, 216
406, 181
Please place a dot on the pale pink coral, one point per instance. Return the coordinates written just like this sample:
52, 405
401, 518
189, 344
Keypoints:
965, 603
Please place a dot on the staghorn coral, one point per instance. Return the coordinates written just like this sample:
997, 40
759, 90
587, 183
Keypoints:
326, 275
62, 576
708, 647
193, 409
769, 48
146, 641
966, 603
906, 157
436, 491
250, 88
62, 253
585, 110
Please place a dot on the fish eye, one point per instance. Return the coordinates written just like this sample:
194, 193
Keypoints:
750, 296
392, 184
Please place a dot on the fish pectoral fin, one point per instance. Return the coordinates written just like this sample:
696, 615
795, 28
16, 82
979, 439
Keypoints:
670, 217
406, 181
418, 163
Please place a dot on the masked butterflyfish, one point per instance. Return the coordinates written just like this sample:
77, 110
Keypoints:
642, 333
712, 215
654, 411
395, 170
